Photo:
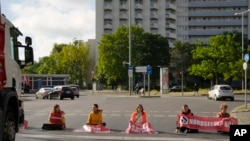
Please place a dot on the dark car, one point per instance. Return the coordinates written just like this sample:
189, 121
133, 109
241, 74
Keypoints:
76, 91
177, 88
61, 92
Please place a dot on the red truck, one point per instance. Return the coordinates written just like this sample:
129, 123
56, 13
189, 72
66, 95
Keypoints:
13, 57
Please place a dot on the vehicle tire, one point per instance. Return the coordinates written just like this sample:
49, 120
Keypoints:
36, 97
78, 96
60, 97
9, 126
232, 99
21, 119
72, 98
50, 97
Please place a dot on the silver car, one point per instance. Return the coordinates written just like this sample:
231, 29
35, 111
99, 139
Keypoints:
43, 92
222, 92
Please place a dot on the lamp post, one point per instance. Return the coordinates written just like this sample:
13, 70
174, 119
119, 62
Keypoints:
129, 62
242, 37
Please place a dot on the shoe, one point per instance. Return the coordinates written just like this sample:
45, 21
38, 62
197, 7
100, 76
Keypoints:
185, 132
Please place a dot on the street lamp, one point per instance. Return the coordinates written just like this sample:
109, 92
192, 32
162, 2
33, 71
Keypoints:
242, 35
242, 29
129, 61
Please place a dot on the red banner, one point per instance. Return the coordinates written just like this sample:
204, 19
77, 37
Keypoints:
93, 129
206, 123
145, 128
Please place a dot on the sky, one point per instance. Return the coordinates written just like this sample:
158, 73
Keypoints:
51, 21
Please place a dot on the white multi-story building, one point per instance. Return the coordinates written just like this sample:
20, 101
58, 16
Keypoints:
183, 20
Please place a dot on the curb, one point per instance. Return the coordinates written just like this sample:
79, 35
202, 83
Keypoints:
237, 110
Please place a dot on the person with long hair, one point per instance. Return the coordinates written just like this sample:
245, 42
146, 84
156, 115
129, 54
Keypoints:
139, 116
56, 116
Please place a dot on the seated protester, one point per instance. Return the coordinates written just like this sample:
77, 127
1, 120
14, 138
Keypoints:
223, 113
185, 111
95, 116
139, 116
56, 116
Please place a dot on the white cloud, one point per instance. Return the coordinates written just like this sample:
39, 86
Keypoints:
54, 21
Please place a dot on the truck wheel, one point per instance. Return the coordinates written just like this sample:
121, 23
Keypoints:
9, 125
21, 119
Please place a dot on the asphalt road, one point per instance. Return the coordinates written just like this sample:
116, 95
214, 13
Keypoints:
161, 113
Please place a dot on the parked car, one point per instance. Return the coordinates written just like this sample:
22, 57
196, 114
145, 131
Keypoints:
177, 88
61, 92
76, 91
43, 92
222, 92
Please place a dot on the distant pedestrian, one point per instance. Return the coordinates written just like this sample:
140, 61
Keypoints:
136, 89
196, 89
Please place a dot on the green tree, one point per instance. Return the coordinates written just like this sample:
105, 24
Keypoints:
181, 56
214, 59
147, 49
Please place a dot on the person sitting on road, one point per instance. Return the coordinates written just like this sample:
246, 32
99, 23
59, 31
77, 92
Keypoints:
56, 116
139, 116
95, 116
185, 111
223, 113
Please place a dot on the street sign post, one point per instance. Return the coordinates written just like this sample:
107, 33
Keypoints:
149, 69
245, 68
130, 71
141, 69
246, 57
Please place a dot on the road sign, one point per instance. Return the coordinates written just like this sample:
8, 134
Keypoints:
141, 69
246, 57
244, 65
149, 70
130, 73
130, 67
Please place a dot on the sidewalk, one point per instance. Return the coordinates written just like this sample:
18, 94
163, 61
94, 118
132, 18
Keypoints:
242, 113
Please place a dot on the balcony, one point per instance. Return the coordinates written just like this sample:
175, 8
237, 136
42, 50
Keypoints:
138, 16
171, 6
123, 16
123, 6
153, 16
171, 26
170, 16
153, 25
107, 16
139, 6
153, 6
108, 7
171, 35
108, 26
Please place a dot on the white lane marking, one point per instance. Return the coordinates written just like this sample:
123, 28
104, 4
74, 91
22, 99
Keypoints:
116, 111
159, 115
205, 112
166, 111
84, 114
70, 114
131, 138
172, 116
127, 115
116, 115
